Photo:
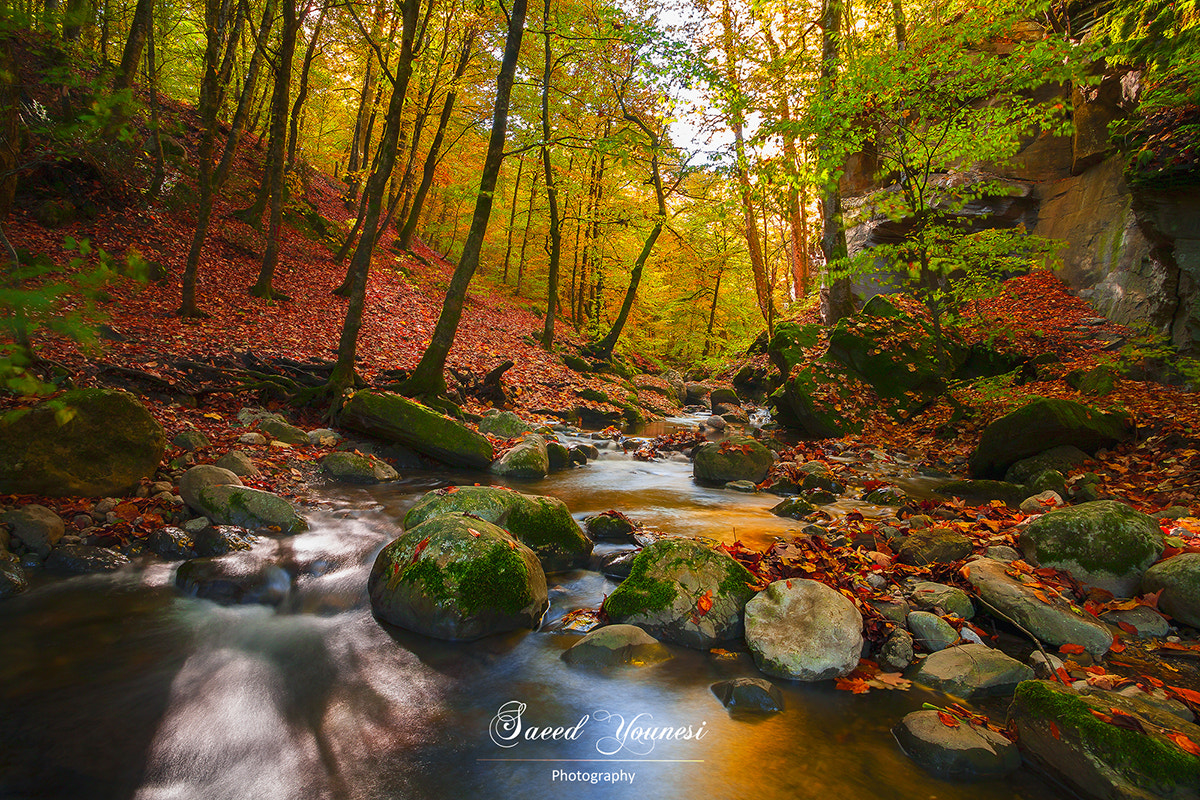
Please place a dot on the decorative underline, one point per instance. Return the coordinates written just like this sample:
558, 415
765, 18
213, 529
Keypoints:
605, 760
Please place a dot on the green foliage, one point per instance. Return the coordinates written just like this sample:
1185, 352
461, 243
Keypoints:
1150, 346
41, 299
1164, 37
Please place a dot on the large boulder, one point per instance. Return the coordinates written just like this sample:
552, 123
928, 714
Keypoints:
239, 578
1103, 543
88, 442
458, 578
244, 507
1040, 425
1050, 618
529, 458
1060, 459
738, 458
971, 670
962, 751
543, 524
803, 630
398, 419
82, 559
1067, 734
201, 477
1178, 578
933, 546
685, 592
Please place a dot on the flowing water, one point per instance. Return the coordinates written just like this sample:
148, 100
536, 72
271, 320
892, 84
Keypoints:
117, 687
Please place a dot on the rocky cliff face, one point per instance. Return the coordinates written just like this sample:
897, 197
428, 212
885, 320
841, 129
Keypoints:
1133, 252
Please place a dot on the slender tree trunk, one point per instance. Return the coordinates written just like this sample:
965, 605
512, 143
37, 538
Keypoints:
551, 187
762, 289
837, 301
279, 119
343, 372
525, 236
246, 99
216, 19
160, 169
512, 216
604, 348
431, 159
131, 56
796, 215
428, 377
302, 92
712, 314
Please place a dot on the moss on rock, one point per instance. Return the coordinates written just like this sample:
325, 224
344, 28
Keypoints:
738, 458
1040, 425
459, 578
1103, 543
398, 419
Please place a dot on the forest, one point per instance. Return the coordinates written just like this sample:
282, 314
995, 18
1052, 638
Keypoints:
411, 398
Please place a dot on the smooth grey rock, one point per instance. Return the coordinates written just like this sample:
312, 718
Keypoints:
1179, 579
965, 752
803, 630
1041, 502
1146, 622
36, 526
933, 546
617, 645
323, 437
191, 440
1055, 623
282, 431
252, 437
971, 670
352, 468
755, 695
528, 459
930, 631
201, 477
248, 508
238, 463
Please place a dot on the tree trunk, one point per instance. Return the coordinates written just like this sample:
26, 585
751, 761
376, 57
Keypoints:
216, 19
246, 100
428, 377
431, 159
279, 120
837, 301
131, 57
762, 288
525, 235
604, 348
343, 372
302, 92
551, 187
512, 216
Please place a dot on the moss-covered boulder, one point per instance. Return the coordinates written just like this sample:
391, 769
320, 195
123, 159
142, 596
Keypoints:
793, 508
228, 504
981, 492
1103, 543
803, 630
283, 431
87, 442
458, 578
200, 477
685, 592
398, 419
610, 525
505, 424
354, 468
1179, 579
541, 523
738, 458
1041, 425
559, 455
527, 459
821, 400
788, 343
1067, 733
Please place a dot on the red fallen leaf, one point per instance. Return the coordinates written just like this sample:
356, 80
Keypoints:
126, 511
419, 548
1100, 715
473, 532
1117, 646
1173, 646
1095, 669
450, 489
1123, 720
1054, 730
855, 685
1150, 600
1178, 691
1063, 675
1072, 648
1125, 626
704, 604
949, 720
1183, 742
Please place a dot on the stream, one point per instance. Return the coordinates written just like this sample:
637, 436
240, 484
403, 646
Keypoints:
117, 686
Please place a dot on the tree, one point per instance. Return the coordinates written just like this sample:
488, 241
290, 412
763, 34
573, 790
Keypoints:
428, 377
